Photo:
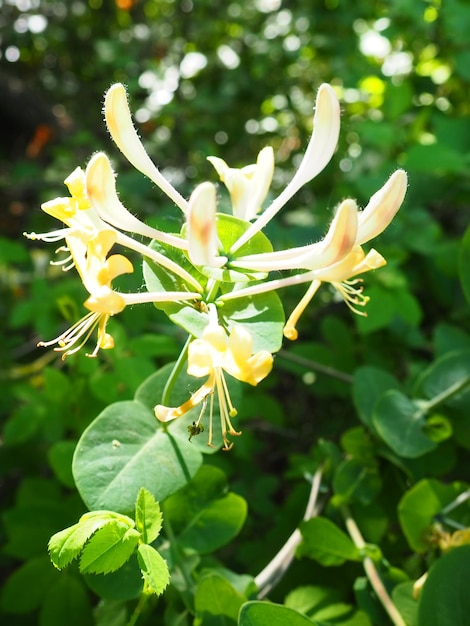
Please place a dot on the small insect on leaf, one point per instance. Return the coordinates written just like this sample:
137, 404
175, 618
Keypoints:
195, 429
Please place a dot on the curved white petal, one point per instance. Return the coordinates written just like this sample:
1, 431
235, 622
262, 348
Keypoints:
382, 207
202, 233
120, 125
101, 191
336, 244
319, 151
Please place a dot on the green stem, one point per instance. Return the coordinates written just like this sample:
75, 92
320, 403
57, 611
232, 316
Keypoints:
212, 288
178, 366
143, 599
446, 394
314, 365
177, 556
371, 570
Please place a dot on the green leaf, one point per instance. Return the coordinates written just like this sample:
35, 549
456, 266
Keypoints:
369, 385
406, 603
154, 569
445, 600
124, 584
111, 613
464, 264
354, 481
452, 371
216, 597
109, 548
25, 589
66, 602
60, 457
418, 507
123, 450
203, 515
266, 614
324, 604
262, 315
229, 230
67, 544
401, 423
148, 517
326, 543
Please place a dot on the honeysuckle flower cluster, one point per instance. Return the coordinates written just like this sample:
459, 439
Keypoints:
213, 278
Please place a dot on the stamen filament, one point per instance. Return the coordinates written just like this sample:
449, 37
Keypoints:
290, 331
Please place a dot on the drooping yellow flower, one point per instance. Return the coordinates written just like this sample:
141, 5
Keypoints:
212, 355
249, 185
98, 269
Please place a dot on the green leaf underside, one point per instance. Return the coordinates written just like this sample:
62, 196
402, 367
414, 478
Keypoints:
326, 543
109, 548
216, 596
203, 516
125, 449
369, 384
266, 614
154, 569
445, 600
400, 422
148, 516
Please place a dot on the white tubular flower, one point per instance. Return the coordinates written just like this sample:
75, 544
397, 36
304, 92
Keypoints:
326, 125
120, 125
249, 185
382, 207
201, 226
339, 240
338, 259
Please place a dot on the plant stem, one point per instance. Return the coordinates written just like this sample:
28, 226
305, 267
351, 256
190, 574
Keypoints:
138, 609
176, 552
314, 365
178, 366
276, 568
371, 570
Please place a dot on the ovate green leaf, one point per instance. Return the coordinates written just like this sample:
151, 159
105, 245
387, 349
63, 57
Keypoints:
109, 548
418, 507
215, 596
401, 424
148, 517
203, 515
266, 614
445, 600
125, 449
154, 569
326, 543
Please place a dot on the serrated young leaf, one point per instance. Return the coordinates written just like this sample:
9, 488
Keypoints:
67, 544
154, 569
108, 516
109, 549
148, 517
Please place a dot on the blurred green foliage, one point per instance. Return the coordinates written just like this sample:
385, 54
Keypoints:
227, 78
